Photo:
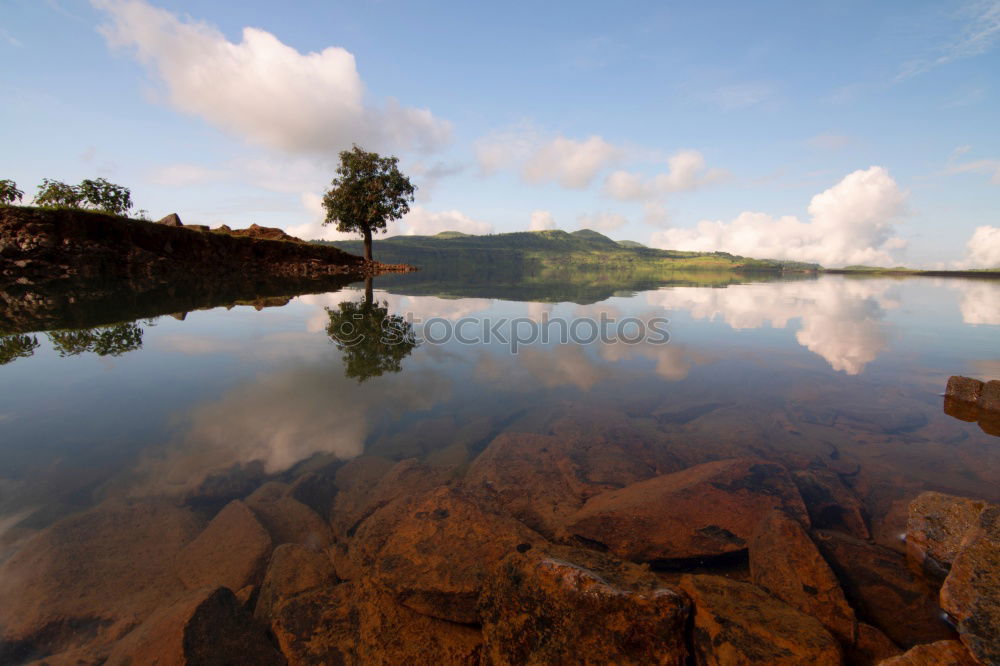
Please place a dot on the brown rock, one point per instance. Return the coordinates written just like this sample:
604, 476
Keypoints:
706, 510
738, 623
883, 590
870, 647
316, 491
432, 552
203, 627
831, 504
356, 623
355, 481
540, 610
287, 520
293, 569
971, 592
544, 479
941, 653
964, 389
89, 578
990, 398
231, 552
172, 220
937, 523
785, 562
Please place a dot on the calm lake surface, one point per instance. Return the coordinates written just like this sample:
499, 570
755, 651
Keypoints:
838, 372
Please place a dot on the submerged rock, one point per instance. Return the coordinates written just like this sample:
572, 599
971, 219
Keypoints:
936, 526
432, 552
738, 623
785, 562
286, 519
941, 653
883, 590
971, 592
537, 609
203, 627
831, 504
706, 510
293, 569
231, 551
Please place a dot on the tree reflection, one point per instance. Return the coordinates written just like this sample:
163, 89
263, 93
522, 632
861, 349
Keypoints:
103, 340
372, 340
13, 347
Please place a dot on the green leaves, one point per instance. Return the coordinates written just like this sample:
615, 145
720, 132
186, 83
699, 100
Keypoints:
368, 192
56, 194
97, 194
9, 192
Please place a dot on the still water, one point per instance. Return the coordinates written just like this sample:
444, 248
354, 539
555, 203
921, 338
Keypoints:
833, 372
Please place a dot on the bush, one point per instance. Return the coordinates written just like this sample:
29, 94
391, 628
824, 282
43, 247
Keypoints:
9, 192
108, 197
56, 194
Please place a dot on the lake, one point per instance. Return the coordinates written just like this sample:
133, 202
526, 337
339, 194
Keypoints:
835, 374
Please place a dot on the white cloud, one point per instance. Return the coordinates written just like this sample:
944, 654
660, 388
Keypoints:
686, 171
541, 220
422, 222
262, 89
980, 301
984, 249
987, 166
979, 33
602, 221
573, 163
851, 223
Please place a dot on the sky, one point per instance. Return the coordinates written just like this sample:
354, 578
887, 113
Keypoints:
838, 132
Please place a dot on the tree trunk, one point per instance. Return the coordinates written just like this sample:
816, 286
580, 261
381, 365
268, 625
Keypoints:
368, 244
369, 295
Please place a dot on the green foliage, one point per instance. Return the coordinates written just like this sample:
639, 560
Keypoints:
9, 192
372, 340
13, 347
368, 192
108, 197
103, 340
57, 194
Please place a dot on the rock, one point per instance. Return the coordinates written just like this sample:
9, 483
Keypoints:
356, 623
785, 562
964, 389
883, 590
172, 220
293, 569
203, 627
738, 623
544, 479
197, 227
971, 592
286, 519
935, 528
90, 577
831, 504
265, 233
231, 551
355, 482
316, 491
870, 646
217, 490
941, 653
537, 609
990, 399
706, 510
432, 552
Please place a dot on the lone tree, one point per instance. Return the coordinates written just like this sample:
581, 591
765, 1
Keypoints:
368, 192
9, 192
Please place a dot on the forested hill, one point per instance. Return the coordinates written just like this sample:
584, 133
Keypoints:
545, 249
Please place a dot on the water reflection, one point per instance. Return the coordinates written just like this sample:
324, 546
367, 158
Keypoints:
13, 347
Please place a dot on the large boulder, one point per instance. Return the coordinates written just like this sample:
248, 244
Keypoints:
706, 510
739, 623
203, 627
286, 519
941, 653
172, 220
883, 590
293, 569
231, 552
936, 526
785, 562
432, 551
355, 483
538, 609
971, 592
357, 623
990, 399
964, 389
89, 578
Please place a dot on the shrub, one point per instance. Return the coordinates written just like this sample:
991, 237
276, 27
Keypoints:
56, 194
108, 197
9, 192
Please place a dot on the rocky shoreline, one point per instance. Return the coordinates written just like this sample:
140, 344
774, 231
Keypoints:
550, 548
44, 246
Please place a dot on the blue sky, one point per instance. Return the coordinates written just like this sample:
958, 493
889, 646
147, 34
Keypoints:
840, 132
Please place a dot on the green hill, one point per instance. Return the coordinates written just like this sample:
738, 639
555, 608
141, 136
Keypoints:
538, 252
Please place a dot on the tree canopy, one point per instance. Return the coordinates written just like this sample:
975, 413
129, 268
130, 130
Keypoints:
9, 192
96, 194
368, 192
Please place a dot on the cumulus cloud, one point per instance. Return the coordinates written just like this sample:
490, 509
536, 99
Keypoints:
573, 163
263, 90
602, 221
980, 302
541, 220
984, 249
686, 171
422, 222
851, 223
